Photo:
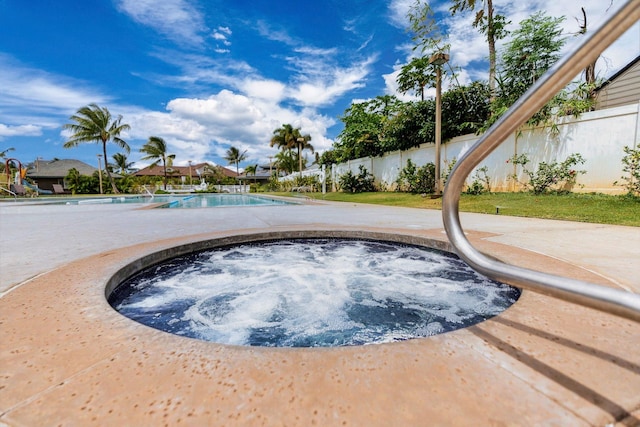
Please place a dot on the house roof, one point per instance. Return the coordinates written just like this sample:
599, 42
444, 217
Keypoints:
158, 170
619, 73
59, 168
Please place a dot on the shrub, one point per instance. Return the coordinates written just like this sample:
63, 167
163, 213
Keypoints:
352, 183
450, 165
417, 180
82, 184
481, 182
406, 180
549, 176
631, 162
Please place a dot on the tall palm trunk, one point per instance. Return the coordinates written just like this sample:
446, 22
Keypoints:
111, 180
491, 41
164, 168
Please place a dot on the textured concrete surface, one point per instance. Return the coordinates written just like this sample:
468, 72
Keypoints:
66, 358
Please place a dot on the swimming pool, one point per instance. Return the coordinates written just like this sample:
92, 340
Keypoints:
219, 200
173, 201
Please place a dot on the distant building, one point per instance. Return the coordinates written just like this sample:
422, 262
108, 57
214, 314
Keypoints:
45, 173
262, 175
196, 171
622, 88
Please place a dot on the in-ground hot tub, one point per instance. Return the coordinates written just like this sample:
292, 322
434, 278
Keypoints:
308, 290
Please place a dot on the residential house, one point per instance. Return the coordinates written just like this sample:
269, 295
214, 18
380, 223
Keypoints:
262, 175
187, 174
45, 173
622, 88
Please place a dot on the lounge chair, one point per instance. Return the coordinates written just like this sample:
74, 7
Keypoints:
57, 189
18, 189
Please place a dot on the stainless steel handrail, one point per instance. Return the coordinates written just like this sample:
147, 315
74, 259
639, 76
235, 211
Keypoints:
614, 301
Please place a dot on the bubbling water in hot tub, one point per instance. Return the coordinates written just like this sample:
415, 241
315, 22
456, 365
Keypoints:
311, 293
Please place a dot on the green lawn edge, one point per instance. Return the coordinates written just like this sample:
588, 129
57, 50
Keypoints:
592, 208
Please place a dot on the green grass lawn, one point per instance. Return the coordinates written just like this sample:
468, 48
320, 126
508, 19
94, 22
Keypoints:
596, 208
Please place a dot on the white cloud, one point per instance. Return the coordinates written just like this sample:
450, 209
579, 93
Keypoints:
177, 20
199, 128
321, 83
32, 97
469, 47
21, 130
398, 10
272, 90
267, 31
222, 35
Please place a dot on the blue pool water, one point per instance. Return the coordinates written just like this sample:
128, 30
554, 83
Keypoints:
181, 201
311, 293
220, 200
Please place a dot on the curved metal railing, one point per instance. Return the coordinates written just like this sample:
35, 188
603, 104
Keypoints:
615, 301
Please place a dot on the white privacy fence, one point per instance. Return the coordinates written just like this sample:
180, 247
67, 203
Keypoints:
598, 136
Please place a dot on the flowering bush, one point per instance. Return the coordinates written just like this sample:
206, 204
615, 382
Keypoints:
549, 176
631, 164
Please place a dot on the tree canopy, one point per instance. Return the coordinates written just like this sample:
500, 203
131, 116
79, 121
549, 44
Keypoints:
156, 150
95, 124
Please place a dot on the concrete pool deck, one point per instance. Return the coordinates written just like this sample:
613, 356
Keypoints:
67, 358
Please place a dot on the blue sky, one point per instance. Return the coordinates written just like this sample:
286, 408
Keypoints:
209, 74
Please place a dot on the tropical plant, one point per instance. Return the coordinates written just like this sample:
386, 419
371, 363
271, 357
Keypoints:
466, 109
287, 137
156, 150
413, 179
534, 48
406, 180
286, 161
284, 137
302, 143
233, 156
121, 163
481, 183
82, 184
360, 183
492, 25
411, 126
251, 170
415, 76
364, 127
556, 176
631, 162
427, 35
95, 124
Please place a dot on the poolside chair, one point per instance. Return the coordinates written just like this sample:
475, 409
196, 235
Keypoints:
18, 189
57, 189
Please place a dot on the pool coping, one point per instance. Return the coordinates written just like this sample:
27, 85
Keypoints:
67, 357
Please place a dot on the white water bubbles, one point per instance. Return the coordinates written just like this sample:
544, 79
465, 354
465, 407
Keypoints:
312, 293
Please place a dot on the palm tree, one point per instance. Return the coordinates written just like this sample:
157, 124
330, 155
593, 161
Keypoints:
287, 137
286, 161
156, 149
234, 156
94, 124
303, 144
251, 170
121, 163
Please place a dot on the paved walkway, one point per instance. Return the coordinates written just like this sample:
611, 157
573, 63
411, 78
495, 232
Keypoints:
68, 358
36, 239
